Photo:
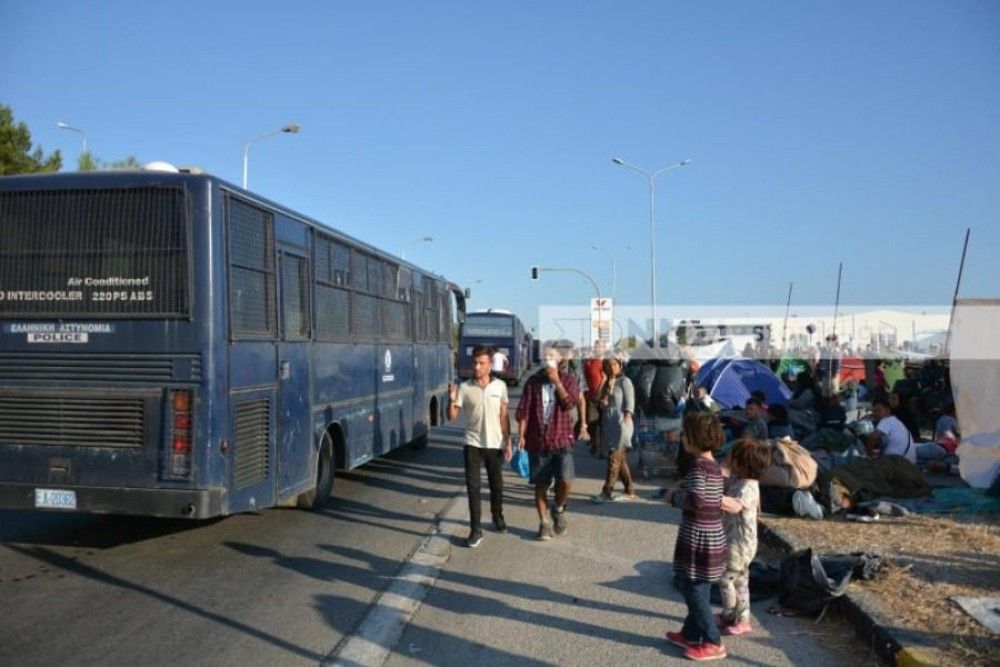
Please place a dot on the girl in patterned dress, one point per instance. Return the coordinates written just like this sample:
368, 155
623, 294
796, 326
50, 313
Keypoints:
740, 505
699, 556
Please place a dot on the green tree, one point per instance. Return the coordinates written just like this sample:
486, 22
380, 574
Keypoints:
88, 162
16, 156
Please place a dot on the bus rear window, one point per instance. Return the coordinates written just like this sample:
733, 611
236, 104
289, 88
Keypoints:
489, 326
94, 253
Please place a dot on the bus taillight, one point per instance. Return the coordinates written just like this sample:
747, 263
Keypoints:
180, 448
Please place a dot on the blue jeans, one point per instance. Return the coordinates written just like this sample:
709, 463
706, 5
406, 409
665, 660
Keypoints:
699, 625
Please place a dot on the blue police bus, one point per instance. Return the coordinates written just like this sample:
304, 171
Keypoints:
502, 330
172, 345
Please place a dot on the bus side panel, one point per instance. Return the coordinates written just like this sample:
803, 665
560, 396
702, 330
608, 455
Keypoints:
295, 443
253, 406
344, 390
395, 398
421, 396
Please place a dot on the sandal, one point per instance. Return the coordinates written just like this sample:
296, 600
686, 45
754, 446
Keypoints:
625, 497
600, 499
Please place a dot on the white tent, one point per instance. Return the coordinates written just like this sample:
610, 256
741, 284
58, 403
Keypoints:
975, 378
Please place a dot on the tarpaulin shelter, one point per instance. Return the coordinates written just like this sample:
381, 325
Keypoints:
730, 381
975, 381
789, 367
852, 369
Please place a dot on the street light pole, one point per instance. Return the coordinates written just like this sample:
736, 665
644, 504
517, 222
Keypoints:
610, 255
291, 128
83, 137
651, 178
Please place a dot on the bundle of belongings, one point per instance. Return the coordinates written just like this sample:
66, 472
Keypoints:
809, 582
660, 385
868, 479
785, 484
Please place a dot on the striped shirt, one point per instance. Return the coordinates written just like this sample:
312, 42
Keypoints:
700, 553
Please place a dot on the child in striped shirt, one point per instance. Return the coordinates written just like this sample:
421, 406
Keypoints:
700, 553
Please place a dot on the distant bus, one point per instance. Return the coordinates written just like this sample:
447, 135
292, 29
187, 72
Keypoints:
172, 345
500, 329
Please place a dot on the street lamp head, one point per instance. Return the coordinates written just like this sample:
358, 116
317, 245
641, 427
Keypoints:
62, 125
428, 239
617, 160
292, 128
685, 163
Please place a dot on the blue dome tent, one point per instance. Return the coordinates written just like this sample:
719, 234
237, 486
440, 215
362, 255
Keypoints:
730, 381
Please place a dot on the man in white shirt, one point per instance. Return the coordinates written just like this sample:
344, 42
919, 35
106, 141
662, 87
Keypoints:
487, 438
499, 363
890, 435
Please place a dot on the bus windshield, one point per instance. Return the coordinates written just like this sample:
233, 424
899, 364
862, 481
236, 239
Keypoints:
490, 325
94, 253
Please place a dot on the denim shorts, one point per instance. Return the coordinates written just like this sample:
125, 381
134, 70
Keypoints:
546, 467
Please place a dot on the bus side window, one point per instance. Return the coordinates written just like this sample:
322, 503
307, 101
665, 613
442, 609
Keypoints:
252, 302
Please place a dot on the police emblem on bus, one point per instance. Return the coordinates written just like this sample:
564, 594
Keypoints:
388, 361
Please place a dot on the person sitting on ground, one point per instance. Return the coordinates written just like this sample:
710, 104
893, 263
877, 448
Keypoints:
946, 438
890, 437
878, 381
947, 423
756, 426
806, 392
905, 414
833, 415
703, 402
778, 425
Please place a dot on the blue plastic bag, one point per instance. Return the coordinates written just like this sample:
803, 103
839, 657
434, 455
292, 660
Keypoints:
519, 462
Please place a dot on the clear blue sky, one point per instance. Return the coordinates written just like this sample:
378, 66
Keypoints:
862, 132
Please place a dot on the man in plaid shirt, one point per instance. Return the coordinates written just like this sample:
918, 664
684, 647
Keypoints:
545, 418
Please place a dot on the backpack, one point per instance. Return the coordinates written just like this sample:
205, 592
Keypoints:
806, 586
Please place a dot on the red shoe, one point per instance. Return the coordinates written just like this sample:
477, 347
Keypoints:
705, 651
677, 639
738, 628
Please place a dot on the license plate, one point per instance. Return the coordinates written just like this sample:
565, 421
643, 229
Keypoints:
55, 499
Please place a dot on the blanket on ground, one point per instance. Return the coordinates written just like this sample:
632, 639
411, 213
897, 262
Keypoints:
884, 477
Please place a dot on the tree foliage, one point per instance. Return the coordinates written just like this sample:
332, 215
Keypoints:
16, 156
88, 162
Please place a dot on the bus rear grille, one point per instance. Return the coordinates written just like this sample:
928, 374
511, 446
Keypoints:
40, 419
143, 368
253, 434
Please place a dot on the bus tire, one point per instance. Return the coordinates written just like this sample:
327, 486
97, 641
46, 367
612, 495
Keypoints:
319, 496
420, 442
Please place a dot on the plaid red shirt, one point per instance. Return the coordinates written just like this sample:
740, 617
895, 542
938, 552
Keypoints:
539, 437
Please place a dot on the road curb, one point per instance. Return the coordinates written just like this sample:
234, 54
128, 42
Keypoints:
374, 639
893, 644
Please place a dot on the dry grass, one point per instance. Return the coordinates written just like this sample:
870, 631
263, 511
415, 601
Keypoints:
929, 559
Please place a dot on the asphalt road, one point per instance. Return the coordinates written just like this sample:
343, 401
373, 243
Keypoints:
279, 586
287, 587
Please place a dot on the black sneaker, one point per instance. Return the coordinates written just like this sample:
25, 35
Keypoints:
499, 523
545, 531
474, 539
559, 521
